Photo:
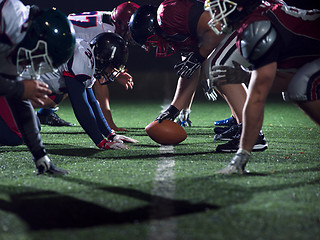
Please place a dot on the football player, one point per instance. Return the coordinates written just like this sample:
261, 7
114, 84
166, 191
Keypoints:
87, 25
34, 41
272, 37
181, 26
103, 59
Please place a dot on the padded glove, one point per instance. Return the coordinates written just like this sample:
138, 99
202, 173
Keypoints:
189, 65
171, 113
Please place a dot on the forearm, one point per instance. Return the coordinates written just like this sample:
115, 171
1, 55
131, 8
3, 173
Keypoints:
83, 110
101, 121
10, 87
185, 90
253, 112
252, 123
25, 118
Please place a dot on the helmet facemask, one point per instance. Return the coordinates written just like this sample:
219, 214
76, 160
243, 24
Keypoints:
219, 10
32, 63
104, 77
163, 48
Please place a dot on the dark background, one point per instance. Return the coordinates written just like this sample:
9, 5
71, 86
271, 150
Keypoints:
154, 77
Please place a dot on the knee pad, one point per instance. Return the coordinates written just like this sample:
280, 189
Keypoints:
305, 84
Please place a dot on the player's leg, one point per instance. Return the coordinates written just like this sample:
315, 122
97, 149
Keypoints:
235, 95
10, 134
304, 90
312, 109
47, 115
184, 117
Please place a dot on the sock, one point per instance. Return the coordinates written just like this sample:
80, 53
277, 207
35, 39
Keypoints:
46, 111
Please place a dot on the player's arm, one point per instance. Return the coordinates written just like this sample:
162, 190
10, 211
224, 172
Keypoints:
207, 38
26, 89
82, 109
259, 87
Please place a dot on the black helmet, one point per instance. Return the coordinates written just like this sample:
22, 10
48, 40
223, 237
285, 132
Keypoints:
143, 24
50, 36
110, 51
146, 32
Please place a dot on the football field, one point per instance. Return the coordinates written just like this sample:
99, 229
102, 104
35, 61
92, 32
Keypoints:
152, 192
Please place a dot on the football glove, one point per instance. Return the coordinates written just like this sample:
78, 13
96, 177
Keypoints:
209, 92
171, 113
44, 165
237, 164
189, 65
183, 118
105, 144
221, 75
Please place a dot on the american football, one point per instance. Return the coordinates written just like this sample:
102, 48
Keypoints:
166, 133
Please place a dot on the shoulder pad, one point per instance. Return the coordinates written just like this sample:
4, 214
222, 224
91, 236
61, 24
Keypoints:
257, 39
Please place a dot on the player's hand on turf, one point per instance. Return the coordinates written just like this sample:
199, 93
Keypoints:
221, 75
44, 165
106, 144
122, 138
237, 164
189, 65
183, 118
171, 113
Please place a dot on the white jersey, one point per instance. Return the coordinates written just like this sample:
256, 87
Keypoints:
87, 25
12, 30
80, 66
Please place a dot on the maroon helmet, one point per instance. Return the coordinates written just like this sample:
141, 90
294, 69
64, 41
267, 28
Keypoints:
121, 15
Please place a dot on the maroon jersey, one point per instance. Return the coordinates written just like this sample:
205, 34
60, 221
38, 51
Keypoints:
297, 35
178, 20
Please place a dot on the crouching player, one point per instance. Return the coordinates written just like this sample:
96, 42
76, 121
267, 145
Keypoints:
104, 57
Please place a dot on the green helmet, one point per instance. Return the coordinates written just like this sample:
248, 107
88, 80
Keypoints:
50, 37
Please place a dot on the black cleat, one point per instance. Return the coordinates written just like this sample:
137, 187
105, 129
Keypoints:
233, 145
226, 122
53, 119
219, 130
230, 133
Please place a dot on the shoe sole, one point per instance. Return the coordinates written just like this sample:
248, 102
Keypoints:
223, 139
259, 147
256, 148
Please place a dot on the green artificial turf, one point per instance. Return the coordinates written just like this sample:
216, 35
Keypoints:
155, 192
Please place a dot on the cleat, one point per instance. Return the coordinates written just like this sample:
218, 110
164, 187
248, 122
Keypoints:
53, 119
230, 133
226, 122
233, 145
219, 130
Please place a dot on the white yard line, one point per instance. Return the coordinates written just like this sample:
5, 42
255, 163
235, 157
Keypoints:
164, 188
